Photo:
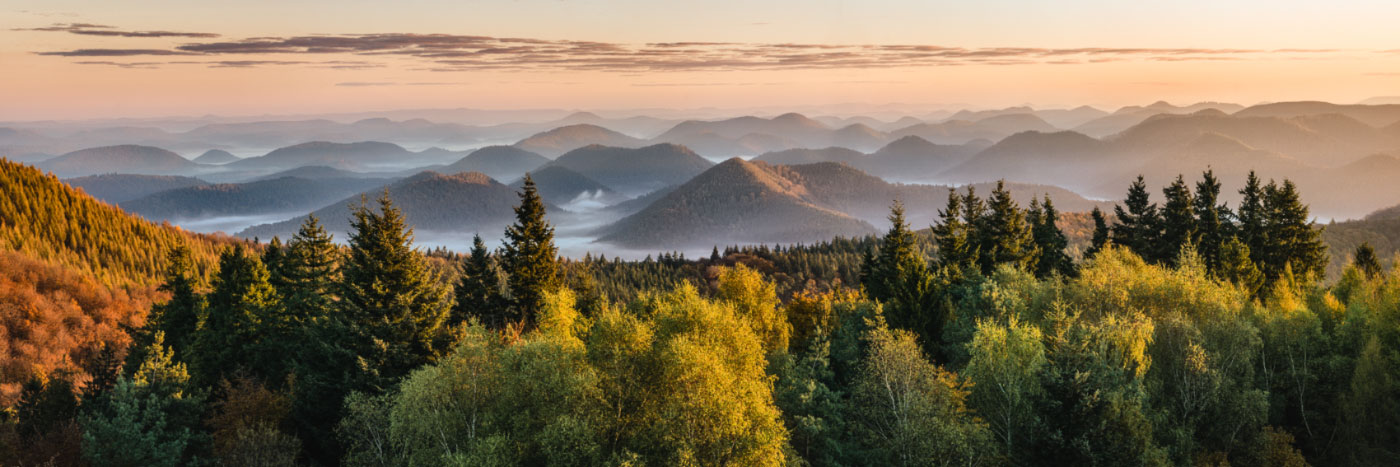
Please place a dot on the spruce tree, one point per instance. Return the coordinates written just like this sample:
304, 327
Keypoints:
1139, 226
1251, 218
242, 307
952, 235
1004, 235
272, 258
900, 278
1101, 234
529, 257
1051, 242
1365, 260
1213, 226
1178, 222
1236, 266
479, 290
178, 318
310, 270
395, 305
1291, 241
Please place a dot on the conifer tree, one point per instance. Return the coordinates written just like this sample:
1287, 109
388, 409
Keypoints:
479, 290
1236, 266
1051, 242
1101, 234
393, 302
273, 258
1178, 221
310, 269
1139, 226
1003, 235
1213, 228
178, 318
901, 279
1251, 217
529, 257
242, 308
1365, 260
1291, 241
952, 235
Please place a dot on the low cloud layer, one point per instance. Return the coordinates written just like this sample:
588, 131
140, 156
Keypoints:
450, 53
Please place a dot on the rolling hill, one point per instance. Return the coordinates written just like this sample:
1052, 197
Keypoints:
498, 162
116, 188
733, 202
459, 203
361, 156
570, 190
558, 141
279, 195
634, 171
216, 157
129, 158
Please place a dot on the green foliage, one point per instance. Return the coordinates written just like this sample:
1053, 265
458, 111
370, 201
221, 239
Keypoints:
1005, 370
1365, 259
396, 308
1139, 226
1101, 234
242, 306
1049, 241
900, 279
1003, 235
1178, 221
150, 418
529, 254
479, 290
911, 412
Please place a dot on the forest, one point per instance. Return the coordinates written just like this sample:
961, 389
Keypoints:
1187, 333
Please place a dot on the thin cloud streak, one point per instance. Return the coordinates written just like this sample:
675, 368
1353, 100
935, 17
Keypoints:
89, 29
458, 53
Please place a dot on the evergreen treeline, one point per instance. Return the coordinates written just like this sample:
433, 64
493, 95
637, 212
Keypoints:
980, 344
45, 219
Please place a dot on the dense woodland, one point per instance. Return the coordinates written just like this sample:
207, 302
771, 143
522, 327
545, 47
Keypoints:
1186, 332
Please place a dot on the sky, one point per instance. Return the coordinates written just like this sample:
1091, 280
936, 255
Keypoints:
65, 59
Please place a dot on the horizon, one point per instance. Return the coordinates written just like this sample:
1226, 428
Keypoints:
151, 59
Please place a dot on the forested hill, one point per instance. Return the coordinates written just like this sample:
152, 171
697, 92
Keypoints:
44, 218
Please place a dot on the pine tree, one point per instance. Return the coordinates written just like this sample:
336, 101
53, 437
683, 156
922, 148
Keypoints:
179, 317
310, 271
479, 290
242, 307
1251, 218
714, 254
1365, 260
1213, 226
1291, 241
1051, 243
1236, 266
1178, 222
529, 257
1101, 234
1003, 235
392, 301
273, 258
900, 278
952, 235
1139, 226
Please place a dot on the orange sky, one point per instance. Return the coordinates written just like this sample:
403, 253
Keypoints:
69, 59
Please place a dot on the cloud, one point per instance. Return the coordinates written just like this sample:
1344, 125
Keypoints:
89, 29
112, 52
465, 53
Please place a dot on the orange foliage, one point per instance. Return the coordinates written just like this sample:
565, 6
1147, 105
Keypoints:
52, 319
